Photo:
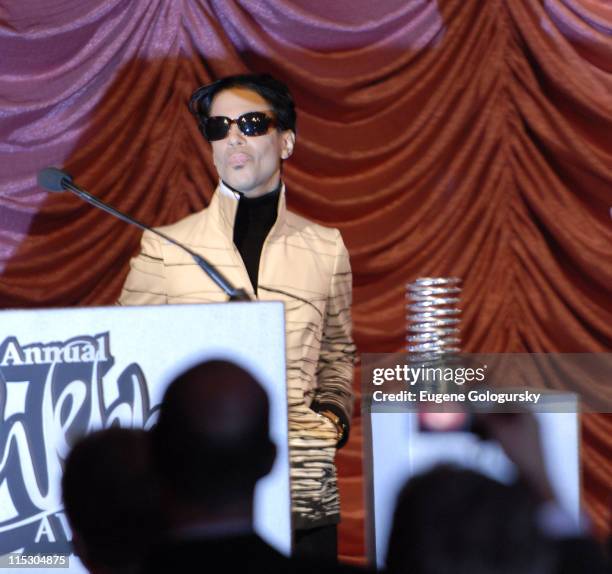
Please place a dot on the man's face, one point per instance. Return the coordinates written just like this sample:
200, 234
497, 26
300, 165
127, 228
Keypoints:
250, 165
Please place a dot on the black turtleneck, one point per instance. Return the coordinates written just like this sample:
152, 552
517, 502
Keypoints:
255, 217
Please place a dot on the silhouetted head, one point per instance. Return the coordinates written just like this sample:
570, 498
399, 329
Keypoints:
111, 499
211, 442
456, 521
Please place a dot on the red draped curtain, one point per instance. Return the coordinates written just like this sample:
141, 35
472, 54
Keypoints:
451, 137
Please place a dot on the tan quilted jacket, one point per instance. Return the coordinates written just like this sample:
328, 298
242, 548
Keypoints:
304, 265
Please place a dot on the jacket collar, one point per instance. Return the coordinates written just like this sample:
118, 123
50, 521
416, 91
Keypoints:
224, 204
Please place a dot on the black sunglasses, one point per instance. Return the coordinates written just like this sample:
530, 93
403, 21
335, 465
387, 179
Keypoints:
250, 124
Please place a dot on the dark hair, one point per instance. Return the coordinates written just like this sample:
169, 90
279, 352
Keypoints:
270, 89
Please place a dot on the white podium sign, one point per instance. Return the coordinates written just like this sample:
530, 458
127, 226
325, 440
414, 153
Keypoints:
66, 372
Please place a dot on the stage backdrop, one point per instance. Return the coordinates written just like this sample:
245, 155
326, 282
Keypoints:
458, 137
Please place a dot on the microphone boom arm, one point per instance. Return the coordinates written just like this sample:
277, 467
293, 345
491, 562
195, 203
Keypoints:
216, 276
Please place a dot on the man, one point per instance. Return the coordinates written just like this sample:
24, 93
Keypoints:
111, 499
273, 254
450, 519
210, 447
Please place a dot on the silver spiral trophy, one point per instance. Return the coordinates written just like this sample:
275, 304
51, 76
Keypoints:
433, 319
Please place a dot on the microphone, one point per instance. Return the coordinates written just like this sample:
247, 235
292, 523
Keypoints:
56, 180
52, 179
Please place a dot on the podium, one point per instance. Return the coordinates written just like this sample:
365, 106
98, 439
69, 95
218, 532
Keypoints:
67, 372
